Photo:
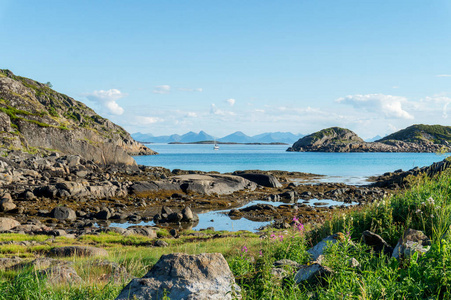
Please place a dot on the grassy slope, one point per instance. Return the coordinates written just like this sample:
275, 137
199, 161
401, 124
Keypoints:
251, 258
421, 133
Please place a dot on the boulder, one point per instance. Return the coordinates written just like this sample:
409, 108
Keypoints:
194, 183
141, 230
262, 179
376, 242
312, 273
6, 203
412, 241
319, 248
63, 213
183, 276
103, 214
8, 223
67, 251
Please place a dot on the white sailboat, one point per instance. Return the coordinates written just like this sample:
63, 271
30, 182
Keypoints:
216, 146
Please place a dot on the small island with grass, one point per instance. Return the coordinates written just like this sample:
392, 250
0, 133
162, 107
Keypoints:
415, 138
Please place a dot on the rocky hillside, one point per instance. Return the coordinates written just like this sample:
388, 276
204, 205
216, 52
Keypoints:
35, 118
416, 138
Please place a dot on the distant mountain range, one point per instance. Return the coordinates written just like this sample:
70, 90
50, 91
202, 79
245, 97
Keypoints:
236, 137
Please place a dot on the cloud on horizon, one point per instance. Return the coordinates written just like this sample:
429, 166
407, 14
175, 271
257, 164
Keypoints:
162, 89
214, 110
231, 101
390, 106
107, 100
443, 75
200, 90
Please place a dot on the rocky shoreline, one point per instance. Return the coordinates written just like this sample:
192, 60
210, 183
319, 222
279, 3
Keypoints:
69, 195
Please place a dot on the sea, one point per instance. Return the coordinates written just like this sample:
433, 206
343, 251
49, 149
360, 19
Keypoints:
346, 167
349, 168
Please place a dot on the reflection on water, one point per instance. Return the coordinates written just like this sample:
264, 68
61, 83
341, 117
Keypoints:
220, 220
349, 180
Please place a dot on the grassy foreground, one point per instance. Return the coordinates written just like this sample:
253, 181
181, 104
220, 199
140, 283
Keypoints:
425, 206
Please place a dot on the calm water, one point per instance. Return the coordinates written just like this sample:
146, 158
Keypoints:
351, 168
274, 157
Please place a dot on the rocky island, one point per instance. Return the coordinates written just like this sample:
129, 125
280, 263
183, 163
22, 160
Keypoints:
416, 138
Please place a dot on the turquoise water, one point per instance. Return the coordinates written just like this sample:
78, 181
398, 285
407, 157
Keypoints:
230, 158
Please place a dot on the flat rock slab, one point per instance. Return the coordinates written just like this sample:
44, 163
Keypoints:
78, 251
181, 276
8, 223
195, 183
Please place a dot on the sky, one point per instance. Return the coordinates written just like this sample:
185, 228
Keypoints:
166, 67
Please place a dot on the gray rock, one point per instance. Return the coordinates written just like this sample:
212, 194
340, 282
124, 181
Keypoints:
63, 213
319, 248
353, 263
262, 179
160, 243
141, 230
187, 214
194, 183
8, 223
7, 206
68, 251
412, 241
312, 273
183, 276
6, 203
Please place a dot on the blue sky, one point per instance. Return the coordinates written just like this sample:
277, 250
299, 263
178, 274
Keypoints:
166, 67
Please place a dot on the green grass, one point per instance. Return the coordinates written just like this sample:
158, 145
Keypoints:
425, 206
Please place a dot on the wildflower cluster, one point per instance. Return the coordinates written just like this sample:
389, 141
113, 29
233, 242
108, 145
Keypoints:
298, 225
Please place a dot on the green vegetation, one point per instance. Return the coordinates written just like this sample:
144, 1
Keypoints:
53, 112
336, 133
437, 134
425, 206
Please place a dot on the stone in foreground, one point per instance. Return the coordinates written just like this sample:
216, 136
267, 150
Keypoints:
412, 241
78, 251
8, 223
183, 276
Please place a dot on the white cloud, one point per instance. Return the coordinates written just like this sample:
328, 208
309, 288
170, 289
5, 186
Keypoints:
441, 101
147, 120
231, 102
107, 100
390, 106
443, 75
191, 114
216, 111
190, 90
162, 89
